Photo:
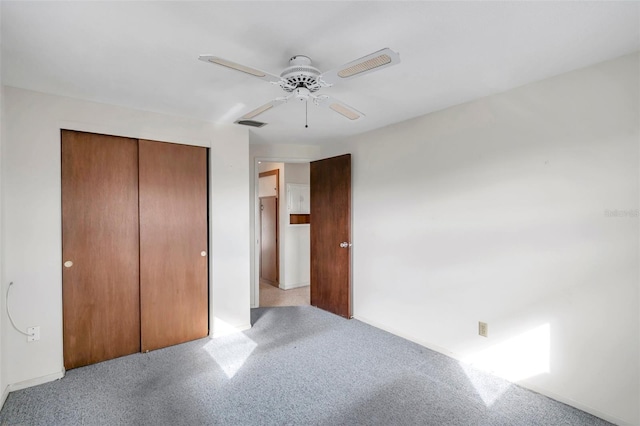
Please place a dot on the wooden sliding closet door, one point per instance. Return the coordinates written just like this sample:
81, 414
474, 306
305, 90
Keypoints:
100, 290
173, 244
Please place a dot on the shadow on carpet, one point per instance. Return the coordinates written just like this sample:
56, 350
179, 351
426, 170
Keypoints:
297, 365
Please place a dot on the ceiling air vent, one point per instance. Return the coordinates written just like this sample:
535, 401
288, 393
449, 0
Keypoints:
251, 123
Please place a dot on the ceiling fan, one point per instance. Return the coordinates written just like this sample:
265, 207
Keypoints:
302, 81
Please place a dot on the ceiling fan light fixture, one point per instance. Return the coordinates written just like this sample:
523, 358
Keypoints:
378, 61
341, 109
237, 67
257, 111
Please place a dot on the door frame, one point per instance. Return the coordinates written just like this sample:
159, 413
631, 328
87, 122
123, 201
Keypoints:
273, 172
207, 203
255, 230
109, 129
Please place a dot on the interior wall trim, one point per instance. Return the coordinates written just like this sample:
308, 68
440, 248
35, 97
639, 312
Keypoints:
128, 132
35, 381
3, 397
254, 278
296, 285
226, 330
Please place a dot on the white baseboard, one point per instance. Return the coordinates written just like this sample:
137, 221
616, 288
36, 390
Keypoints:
408, 337
298, 285
229, 330
3, 397
611, 419
35, 381
524, 384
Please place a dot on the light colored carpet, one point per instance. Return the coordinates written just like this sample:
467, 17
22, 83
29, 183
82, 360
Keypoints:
296, 366
271, 296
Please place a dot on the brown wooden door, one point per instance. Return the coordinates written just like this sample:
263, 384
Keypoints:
330, 227
173, 244
100, 291
269, 240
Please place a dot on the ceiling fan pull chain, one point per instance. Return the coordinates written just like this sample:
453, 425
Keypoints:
306, 114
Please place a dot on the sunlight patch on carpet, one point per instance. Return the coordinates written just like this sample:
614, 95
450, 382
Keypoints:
230, 352
488, 390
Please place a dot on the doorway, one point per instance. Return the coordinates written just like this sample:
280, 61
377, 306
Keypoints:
282, 234
328, 220
269, 195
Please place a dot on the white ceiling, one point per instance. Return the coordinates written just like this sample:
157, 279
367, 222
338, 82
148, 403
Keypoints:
143, 55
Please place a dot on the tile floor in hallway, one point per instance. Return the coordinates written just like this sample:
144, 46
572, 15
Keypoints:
274, 296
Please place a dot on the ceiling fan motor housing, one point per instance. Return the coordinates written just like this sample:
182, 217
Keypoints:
302, 93
300, 74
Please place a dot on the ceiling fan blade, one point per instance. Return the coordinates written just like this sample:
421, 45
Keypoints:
373, 62
264, 108
338, 106
242, 68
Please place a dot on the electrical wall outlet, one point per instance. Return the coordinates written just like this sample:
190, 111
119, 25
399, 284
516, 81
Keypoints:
33, 333
483, 329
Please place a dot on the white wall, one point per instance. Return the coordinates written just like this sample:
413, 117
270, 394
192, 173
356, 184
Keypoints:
229, 224
31, 241
3, 387
496, 211
297, 237
3, 383
297, 173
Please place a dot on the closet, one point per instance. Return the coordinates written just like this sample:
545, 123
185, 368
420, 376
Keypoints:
134, 245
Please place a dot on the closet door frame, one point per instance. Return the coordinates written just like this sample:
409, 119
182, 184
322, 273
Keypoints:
81, 128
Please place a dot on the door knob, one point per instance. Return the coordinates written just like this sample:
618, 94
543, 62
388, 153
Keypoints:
345, 244
68, 264
203, 253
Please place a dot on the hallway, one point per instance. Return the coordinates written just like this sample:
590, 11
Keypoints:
273, 296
